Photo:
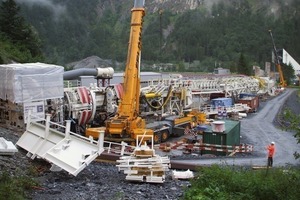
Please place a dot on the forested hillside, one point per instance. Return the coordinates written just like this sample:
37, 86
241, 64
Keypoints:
18, 40
201, 32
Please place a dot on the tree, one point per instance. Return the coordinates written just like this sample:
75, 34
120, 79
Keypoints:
288, 73
293, 124
21, 35
181, 67
11, 23
242, 67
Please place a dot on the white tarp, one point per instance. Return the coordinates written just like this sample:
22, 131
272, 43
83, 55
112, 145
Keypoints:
29, 82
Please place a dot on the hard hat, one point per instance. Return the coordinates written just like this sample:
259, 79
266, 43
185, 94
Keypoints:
272, 142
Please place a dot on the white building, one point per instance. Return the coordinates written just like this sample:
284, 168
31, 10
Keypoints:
288, 59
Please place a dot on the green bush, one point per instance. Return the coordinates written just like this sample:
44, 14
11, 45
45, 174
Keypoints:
224, 182
15, 187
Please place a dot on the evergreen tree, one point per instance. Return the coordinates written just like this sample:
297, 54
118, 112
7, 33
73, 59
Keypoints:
292, 121
242, 67
15, 30
11, 24
1, 60
288, 73
79, 30
181, 67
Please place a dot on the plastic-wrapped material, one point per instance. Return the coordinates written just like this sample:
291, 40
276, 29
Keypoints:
29, 82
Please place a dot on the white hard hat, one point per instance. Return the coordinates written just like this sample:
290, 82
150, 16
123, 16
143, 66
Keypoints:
272, 142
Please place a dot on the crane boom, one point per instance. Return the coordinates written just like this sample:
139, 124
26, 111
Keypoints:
277, 63
129, 105
127, 123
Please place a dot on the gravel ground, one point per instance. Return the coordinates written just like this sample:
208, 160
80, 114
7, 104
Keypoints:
96, 181
103, 181
259, 129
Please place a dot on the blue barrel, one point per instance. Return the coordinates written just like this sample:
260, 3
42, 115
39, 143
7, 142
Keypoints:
227, 102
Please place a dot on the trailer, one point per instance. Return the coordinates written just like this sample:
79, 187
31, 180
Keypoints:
251, 101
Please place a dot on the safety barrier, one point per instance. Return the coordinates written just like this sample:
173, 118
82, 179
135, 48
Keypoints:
198, 146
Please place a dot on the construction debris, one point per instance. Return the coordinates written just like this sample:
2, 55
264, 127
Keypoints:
144, 165
182, 174
67, 151
7, 147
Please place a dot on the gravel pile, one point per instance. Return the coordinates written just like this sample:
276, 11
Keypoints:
103, 181
98, 180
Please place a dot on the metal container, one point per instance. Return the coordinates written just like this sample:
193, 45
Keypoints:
231, 136
252, 102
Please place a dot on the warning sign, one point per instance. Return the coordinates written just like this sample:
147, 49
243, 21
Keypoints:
37, 110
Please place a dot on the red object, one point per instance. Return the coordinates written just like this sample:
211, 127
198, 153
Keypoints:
120, 90
84, 117
84, 95
252, 102
271, 150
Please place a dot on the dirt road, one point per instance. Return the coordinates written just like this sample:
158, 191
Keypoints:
259, 130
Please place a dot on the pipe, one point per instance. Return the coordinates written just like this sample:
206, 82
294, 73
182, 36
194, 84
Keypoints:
97, 72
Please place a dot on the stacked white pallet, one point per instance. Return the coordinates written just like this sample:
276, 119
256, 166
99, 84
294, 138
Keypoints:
144, 165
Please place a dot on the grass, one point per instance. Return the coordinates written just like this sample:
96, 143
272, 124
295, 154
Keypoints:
15, 187
224, 183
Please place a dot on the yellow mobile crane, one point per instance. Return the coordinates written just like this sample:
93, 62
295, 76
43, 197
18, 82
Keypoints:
127, 124
282, 82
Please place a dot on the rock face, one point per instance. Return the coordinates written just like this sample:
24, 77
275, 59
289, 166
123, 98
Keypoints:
91, 62
175, 6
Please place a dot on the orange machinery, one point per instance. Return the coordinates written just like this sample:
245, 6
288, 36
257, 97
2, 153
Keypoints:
127, 124
282, 82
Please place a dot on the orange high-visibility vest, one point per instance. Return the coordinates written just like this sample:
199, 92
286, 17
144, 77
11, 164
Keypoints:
271, 150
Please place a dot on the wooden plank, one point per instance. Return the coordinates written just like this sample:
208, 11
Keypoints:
260, 167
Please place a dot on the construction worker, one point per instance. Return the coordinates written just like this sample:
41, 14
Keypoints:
271, 152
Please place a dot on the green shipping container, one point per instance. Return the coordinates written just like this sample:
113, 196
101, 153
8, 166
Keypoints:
231, 136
